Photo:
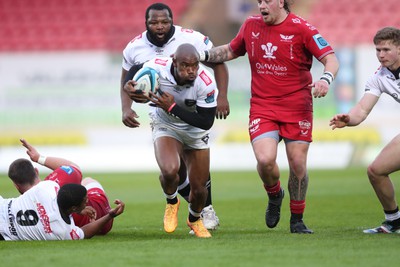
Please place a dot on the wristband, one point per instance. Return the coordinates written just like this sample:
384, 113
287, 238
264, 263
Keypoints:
328, 77
171, 107
203, 56
325, 79
41, 160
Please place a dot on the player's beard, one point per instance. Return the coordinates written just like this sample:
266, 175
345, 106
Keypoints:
155, 41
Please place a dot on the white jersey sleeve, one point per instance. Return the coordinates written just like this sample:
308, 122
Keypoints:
383, 81
35, 216
207, 91
140, 50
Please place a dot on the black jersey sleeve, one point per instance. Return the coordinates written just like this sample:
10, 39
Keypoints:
132, 71
203, 118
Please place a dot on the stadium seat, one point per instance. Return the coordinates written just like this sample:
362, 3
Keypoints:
74, 24
353, 22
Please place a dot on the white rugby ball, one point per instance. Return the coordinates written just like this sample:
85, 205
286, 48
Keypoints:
147, 80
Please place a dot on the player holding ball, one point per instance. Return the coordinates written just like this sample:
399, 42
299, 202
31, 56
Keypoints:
161, 39
182, 113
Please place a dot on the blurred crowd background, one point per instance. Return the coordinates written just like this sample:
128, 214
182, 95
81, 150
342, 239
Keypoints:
60, 65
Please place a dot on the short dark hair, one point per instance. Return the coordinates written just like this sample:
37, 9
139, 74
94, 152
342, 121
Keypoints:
71, 195
287, 4
388, 34
21, 171
158, 6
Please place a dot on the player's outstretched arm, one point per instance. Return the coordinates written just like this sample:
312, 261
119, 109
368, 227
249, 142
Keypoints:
93, 228
218, 54
339, 121
357, 114
49, 162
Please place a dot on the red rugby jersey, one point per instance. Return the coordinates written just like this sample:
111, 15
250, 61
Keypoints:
280, 58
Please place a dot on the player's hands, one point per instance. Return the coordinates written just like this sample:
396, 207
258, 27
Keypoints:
129, 117
321, 88
135, 95
119, 209
339, 121
223, 110
90, 212
30, 150
162, 100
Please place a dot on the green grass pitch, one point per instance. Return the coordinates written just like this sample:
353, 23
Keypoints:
340, 204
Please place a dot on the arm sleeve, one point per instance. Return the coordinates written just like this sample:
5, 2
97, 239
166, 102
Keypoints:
132, 71
203, 118
65, 175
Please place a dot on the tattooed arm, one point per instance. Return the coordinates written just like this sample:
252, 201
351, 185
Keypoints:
218, 54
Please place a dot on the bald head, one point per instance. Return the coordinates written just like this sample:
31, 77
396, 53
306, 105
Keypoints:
186, 51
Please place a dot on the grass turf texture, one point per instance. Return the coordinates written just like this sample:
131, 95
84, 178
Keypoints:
340, 204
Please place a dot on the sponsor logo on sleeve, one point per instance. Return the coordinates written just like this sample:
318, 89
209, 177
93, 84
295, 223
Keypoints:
207, 80
210, 97
206, 40
320, 41
67, 169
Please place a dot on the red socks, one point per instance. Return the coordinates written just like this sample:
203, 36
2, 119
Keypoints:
273, 190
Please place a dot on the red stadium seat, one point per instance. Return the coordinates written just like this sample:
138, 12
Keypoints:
74, 24
353, 22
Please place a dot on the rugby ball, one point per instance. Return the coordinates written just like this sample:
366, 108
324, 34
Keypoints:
147, 80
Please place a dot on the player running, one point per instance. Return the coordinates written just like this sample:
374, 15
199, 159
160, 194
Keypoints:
182, 113
162, 38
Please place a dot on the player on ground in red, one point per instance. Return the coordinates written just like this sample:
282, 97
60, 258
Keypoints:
65, 172
44, 211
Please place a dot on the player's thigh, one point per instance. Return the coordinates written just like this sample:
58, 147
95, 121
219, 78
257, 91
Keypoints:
265, 149
198, 165
388, 160
168, 151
